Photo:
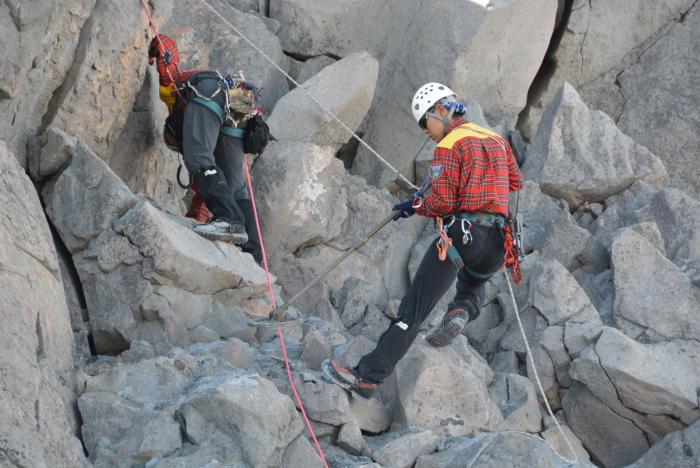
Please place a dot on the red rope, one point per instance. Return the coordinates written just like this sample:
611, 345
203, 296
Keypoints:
274, 305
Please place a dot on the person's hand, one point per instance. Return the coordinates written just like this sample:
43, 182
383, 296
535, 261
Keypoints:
404, 209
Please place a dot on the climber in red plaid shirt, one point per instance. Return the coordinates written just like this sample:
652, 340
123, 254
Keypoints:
472, 172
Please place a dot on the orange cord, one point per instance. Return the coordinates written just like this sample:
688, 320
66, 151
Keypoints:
512, 258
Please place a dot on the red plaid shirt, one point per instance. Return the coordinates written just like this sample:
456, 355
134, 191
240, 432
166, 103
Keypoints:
473, 169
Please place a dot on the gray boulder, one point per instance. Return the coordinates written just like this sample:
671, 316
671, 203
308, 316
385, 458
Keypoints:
557, 295
560, 155
653, 297
299, 197
83, 200
496, 449
611, 440
442, 394
298, 118
303, 71
516, 397
679, 449
403, 451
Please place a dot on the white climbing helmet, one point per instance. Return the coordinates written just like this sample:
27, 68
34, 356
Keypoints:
426, 97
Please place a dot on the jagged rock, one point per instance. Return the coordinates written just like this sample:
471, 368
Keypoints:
495, 449
533, 324
477, 330
542, 362
557, 295
180, 256
472, 359
505, 362
301, 453
208, 43
83, 200
573, 246
37, 426
660, 104
403, 451
473, 33
303, 71
442, 394
600, 289
578, 336
539, 212
350, 353
153, 171
517, 400
553, 436
610, 439
369, 414
552, 342
317, 349
326, 403
678, 217
251, 411
39, 51
350, 439
560, 154
301, 197
679, 449
298, 118
647, 283
599, 39
655, 379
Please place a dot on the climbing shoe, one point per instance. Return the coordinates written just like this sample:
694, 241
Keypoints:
220, 230
348, 379
452, 324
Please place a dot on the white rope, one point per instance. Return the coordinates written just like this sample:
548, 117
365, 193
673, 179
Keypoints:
537, 377
324, 108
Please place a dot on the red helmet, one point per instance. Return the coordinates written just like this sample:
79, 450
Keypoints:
164, 51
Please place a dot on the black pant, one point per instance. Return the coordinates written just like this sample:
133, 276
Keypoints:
200, 140
484, 255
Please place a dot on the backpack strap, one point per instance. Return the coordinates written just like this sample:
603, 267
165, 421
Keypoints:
232, 132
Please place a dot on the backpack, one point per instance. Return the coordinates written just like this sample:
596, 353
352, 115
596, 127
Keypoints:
256, 135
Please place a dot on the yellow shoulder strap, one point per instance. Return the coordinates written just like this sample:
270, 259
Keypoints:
467, 130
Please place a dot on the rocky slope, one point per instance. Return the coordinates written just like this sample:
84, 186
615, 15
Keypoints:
126, 339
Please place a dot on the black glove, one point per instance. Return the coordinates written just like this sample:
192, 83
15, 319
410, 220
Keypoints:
405, 209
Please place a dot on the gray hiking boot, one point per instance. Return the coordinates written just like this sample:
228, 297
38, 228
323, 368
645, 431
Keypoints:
452, 324
219, 230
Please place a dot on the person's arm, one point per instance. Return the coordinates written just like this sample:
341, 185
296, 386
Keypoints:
515, 177
444, 174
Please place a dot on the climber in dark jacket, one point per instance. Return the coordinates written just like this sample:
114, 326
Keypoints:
211, 144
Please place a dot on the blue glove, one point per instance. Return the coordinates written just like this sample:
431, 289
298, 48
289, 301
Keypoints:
405, 209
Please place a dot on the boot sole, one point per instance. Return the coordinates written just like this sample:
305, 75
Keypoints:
236, 239
444, 335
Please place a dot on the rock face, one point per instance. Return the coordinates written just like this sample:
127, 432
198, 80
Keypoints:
40, 44
560, 156
497, 32
206, 42
38, 426
671, 116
